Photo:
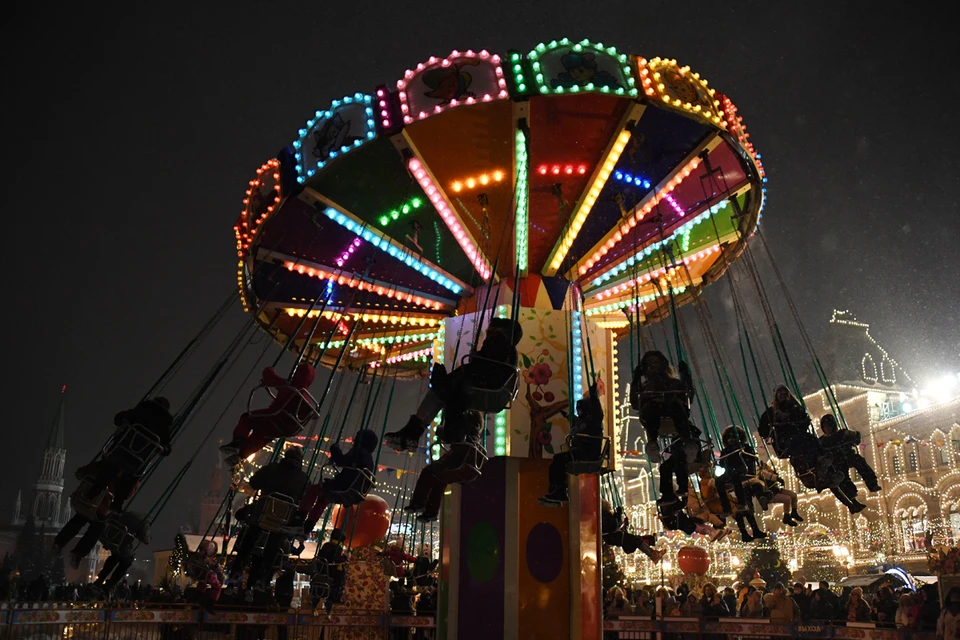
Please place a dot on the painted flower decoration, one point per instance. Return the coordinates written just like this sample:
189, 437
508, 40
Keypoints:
541, 373
527, 376
544, 437
601, 388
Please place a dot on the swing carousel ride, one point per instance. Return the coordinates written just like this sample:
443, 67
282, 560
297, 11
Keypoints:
579, 190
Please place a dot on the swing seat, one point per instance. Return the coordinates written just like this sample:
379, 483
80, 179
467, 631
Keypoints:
360, 483
667, 428
487, 400
389, 569
196, 568
300, 404
132, 448
89, 508
587, 465
702, 459
116, 535
277, 511
468, 459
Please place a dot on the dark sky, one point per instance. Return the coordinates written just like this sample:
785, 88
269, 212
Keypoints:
129, 136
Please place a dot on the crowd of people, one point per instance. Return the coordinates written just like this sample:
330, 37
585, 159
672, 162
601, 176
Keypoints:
893, 608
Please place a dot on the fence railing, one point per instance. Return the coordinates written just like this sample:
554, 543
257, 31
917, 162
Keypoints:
89, 621
643, 628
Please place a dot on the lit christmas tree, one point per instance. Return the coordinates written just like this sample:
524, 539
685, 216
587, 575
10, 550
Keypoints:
180, 552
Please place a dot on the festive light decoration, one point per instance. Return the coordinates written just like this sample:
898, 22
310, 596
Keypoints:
516, 67
367, 318
422, 354
648, 250
392, 248
621, 304
357, 98
584, 46
613, 324
362, 285
562, 169
737, 128
669, 272
500, 420
523, 202
631, 179
654, 75
409, 206
640, 213
469, 246
399, 338
452, 59
473, 182
586, 205
345, 255
577, 355
433, 446
676, 206
257, 206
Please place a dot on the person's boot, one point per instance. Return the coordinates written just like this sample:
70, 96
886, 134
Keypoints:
655, 555
856, 506
554, 498
795, 516
407, 438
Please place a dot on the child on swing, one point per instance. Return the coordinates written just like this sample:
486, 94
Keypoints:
589, 422
739, 461
781, 495
285, 416
427, 495
204, 567
657, 392
615, 531
494, 364
360, 457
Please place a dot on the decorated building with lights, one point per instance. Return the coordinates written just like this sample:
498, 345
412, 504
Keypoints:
910, 436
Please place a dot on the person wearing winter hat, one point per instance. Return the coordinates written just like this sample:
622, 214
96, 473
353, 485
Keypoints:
360, 457
492, 368
284, 477
153, 415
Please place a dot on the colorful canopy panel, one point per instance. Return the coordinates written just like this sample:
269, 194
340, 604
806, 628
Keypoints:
630, 177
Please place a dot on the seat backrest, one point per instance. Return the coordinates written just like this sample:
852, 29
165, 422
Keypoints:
277, 511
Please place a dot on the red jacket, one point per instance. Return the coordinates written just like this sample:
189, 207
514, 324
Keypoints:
399, 558
289, 395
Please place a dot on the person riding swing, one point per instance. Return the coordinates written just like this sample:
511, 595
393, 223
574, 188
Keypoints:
491, 368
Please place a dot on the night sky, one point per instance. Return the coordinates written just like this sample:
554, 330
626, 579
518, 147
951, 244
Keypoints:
129, 137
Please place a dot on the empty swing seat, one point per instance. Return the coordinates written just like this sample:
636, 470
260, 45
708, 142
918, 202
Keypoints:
278, 510
467, 459
132, 448
89, 508
490, 400
357, 482
584, 465
320, 581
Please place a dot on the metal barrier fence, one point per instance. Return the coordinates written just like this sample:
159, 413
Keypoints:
179, 622
645, 628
